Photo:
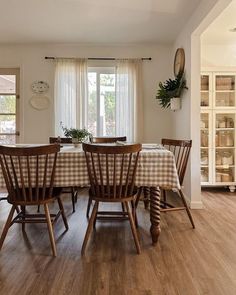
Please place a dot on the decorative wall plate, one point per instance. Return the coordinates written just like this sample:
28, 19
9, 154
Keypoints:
39, 102
179, 62
39, 87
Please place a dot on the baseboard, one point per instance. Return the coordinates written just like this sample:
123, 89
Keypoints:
196, 204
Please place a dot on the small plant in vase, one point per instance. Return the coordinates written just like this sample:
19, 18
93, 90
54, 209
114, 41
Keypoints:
77, 135
170, 91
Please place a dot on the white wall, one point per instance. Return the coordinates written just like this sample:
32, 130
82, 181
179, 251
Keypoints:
37, 126
186, 121
223, 56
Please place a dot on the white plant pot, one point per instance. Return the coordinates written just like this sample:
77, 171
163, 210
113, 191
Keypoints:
76, 142
175, 103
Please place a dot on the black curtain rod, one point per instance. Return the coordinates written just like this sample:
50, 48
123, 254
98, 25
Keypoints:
97, 58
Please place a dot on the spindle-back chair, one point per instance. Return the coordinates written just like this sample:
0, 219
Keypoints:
29, 177
104, 139
72, 190
181, 150
112, 171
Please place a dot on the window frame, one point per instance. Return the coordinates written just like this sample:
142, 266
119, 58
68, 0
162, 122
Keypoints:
16, 73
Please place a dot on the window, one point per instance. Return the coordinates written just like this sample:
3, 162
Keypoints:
101, 101
9, 105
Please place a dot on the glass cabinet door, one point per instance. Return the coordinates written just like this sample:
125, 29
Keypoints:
224, 90
204, 147
224, 147
205, 90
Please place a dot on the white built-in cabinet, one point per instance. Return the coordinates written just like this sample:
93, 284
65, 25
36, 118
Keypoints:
218, 117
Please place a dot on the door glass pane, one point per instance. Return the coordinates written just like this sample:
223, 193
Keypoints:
204, 174
107, 104
7, 84
92, 103
7, 123
8, 104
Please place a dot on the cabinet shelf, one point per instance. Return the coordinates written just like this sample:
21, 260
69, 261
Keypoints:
224, 129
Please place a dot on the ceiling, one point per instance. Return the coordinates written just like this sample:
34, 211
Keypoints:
93, 21
219, 31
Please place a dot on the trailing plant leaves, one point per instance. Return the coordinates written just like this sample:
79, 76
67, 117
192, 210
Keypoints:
169, 89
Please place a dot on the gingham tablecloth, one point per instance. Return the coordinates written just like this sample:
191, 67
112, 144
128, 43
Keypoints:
156, 167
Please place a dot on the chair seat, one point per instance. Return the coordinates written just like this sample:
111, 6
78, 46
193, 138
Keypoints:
48, 198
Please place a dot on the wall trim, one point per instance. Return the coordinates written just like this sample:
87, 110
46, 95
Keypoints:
196, 204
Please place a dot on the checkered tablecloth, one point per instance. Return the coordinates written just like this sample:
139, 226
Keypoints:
156, 167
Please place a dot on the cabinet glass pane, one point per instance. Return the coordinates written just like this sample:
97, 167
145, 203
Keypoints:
225, 82
204, 174
204, 90
204, 82
224, 138
224, 158
225, 99
204, 99
224, 175
204, 121
204, 138
225, 121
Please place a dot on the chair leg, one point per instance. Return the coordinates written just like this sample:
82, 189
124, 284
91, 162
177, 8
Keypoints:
23, 213
7, 225
38, 210
164, 197
88, 207
186, 207
133, 228
138, 196
73, 198
123, 207
62, 212
134, 213
89, 228
50, 230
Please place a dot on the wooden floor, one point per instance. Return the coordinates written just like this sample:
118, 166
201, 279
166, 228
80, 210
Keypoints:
185, 261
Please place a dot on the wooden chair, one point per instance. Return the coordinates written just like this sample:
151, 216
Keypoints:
72, 190
29, 175
112, 171
106, 139
103, 139
181, 150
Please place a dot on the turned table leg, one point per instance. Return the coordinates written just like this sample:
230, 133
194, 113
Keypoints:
155, 196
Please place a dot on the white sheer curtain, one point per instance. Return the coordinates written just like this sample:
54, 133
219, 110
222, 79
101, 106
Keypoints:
71, 93
129, 99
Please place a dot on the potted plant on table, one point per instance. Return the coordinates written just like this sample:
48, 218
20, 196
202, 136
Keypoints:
77, 135
170, 91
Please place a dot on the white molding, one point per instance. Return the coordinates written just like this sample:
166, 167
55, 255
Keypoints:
196, 204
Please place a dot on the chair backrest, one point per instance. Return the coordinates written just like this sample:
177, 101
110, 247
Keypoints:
106, 139
60, 139
181, 150
29, 172
112, 169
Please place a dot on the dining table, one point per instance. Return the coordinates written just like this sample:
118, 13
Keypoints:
156, 169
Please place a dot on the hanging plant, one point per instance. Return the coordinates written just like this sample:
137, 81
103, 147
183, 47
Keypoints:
169, 89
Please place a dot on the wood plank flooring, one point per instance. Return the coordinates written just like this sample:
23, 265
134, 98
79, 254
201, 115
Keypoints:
185, 261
